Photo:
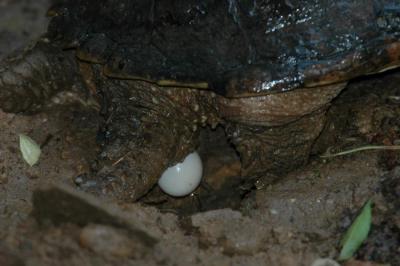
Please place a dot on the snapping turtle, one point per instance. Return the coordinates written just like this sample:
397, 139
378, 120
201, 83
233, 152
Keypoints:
266, 70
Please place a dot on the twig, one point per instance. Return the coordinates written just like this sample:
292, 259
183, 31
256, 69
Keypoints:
120, 159
363, 148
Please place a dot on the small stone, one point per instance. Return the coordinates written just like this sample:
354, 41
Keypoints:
60, 204
3, 179
381, 22
203, 119
106, 240
325, 262
78, 180
89, 184
154, 100
234, 233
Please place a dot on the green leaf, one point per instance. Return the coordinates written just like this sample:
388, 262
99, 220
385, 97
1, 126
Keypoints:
30, 149
357, 233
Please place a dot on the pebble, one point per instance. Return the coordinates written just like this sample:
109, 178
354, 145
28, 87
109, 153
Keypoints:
106, 240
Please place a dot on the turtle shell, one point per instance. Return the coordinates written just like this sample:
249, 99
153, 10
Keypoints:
237, 48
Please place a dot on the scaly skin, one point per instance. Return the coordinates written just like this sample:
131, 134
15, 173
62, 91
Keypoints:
31, 79
149, 128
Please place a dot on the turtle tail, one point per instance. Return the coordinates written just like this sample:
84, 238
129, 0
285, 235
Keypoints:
29, 80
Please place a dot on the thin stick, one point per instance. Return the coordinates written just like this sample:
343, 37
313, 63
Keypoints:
120, 159
363, 148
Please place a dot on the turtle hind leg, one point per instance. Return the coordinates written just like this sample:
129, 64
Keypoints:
30, 79
274, 134
146, 130
274, 151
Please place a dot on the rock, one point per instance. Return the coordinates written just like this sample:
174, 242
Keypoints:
325, 262
109, 241
229, 229
60, 204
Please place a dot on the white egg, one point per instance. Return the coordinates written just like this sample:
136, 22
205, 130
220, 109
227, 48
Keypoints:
183, 178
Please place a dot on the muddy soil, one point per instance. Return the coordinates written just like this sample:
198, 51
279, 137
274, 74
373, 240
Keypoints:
46, 219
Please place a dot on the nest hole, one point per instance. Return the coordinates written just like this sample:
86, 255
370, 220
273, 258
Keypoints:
221, 186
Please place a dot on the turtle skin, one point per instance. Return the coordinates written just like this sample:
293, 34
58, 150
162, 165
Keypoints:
160, 70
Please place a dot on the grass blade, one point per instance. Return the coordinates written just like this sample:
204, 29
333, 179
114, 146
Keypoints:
357, 233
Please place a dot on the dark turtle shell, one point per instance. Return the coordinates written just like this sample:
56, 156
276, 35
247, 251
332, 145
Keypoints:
234, 47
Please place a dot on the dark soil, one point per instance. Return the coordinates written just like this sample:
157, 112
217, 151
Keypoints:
293, 221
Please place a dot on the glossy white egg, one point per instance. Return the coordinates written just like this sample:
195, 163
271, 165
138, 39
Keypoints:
183, 178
